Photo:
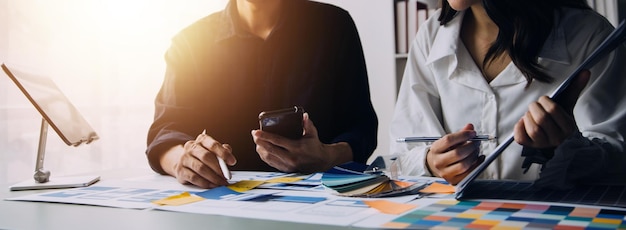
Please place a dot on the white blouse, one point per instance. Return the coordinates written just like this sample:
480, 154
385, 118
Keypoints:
442, 90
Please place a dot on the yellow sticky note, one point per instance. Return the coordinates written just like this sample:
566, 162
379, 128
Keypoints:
180, 199
437, 187
245, 185
283, 180
389, 207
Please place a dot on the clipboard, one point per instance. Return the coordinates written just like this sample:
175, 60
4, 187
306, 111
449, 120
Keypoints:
616, 38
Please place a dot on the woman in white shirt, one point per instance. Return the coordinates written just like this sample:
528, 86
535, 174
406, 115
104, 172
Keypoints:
483, 67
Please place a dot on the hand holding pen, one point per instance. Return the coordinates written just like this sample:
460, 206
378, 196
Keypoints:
454, 155
221, 162
201, 162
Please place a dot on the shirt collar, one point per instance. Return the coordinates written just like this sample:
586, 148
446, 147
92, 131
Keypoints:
446, 41
230, 25
447, 38
555, 47
226, 25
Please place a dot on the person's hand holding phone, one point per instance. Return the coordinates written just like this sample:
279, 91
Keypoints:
305, 154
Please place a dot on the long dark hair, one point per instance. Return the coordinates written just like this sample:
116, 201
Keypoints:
524, 27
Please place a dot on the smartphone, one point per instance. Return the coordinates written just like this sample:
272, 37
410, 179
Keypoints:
285, 122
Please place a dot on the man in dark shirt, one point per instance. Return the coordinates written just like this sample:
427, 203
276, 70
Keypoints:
257, 56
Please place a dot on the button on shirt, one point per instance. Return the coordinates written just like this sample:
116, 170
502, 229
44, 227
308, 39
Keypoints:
443, 90
219, 77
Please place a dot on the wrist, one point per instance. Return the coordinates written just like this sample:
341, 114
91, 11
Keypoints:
340, 153
426, 165
170, 159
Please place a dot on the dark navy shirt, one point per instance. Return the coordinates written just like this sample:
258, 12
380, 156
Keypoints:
219, 77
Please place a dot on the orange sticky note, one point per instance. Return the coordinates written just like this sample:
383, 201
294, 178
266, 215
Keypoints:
245, 185
403, 184
180, 199
389, 207
437, 187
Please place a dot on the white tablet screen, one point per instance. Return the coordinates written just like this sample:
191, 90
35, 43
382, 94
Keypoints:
53, 105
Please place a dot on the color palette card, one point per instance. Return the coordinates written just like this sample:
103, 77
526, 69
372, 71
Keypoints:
359, 183
454, 214
348, 182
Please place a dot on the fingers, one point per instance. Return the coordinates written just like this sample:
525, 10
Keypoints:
545, 124
453, 156
457, 155
460, 173
306, 154
455, 163
269, 149
191, 170
539, 125
228, 158
309, 127
277, 160
451, 140
468, 127
260, 136
223, 151
269, 143
549, 122
560, 119
567, 99
520, 134
199, 166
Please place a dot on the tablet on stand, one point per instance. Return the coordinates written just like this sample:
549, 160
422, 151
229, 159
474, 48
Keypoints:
60, 114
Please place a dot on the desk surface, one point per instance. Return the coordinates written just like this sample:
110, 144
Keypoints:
41, 215
45, 215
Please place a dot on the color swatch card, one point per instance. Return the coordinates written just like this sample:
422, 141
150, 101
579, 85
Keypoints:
454, 214
351, 183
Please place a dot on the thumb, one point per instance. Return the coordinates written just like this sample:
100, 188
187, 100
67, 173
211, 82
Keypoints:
309, 127
570, 95
468, 126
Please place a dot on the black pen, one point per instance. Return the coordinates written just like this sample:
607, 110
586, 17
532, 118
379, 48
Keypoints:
432, 139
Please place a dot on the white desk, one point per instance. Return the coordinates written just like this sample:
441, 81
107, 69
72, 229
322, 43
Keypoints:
40, 215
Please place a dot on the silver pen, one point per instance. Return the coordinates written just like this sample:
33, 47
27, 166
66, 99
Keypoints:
432, 139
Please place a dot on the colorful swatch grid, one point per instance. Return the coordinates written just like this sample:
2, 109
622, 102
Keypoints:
453, 214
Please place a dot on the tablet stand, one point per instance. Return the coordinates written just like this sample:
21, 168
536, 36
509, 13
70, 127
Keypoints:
42, 177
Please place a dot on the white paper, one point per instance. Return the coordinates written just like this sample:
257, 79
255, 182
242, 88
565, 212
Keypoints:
292, 205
